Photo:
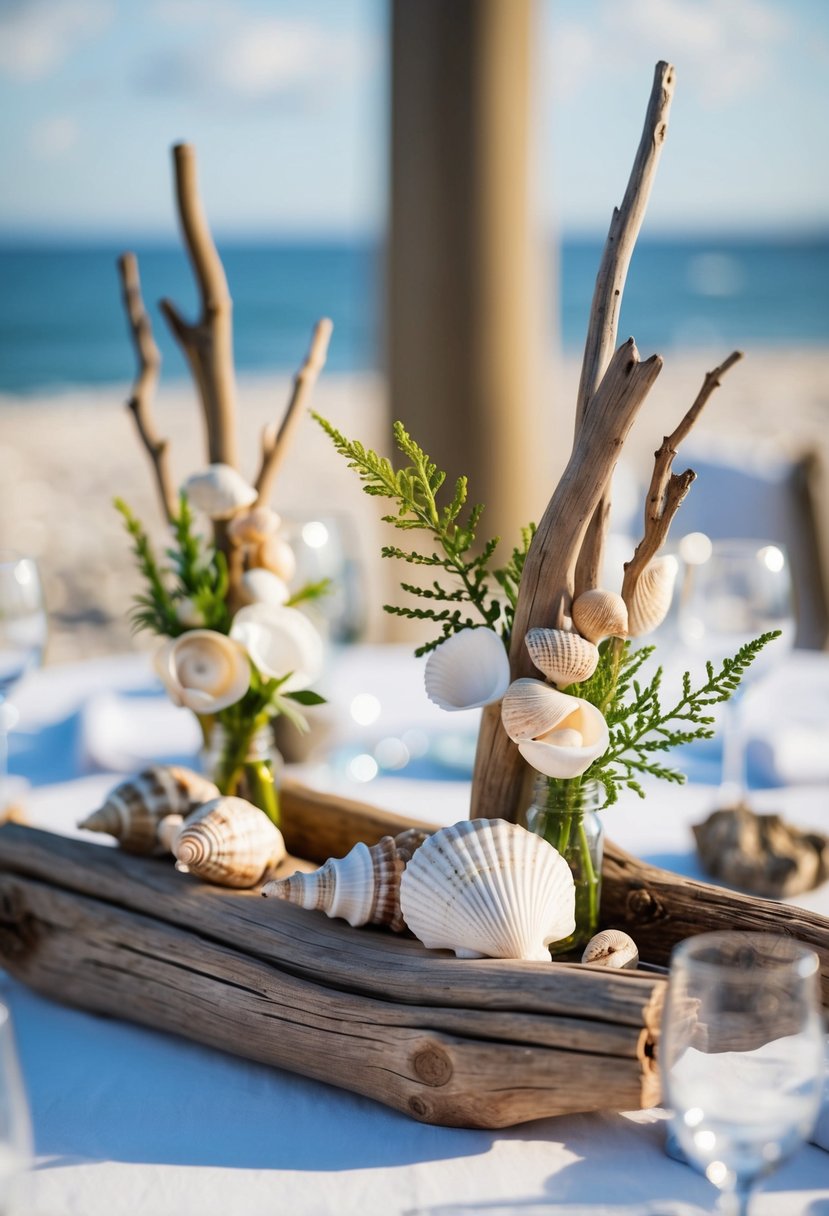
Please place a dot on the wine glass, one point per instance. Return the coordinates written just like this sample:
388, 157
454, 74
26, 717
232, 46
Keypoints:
733, 591
325, 548
15, 1131
22, 636
741, 1055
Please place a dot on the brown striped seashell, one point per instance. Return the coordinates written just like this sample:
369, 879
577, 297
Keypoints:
613, 949
363, 887
599, 614
133, 811
651, 597
229, 842
565, 658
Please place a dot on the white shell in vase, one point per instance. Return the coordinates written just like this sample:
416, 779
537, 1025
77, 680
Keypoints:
251, 527
531, 708
229, 842
468, 670
578, 734
276, 555
599, 614
134, 811
651, 597
220, 491
258, 586
565, 658
485, 888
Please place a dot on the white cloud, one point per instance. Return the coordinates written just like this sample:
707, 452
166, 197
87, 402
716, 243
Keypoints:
36, 36
54, 137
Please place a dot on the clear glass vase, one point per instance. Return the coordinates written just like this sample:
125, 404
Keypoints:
244, 762
564, 813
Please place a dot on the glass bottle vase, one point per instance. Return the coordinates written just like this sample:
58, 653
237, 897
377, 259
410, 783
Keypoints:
564, 813
245, 763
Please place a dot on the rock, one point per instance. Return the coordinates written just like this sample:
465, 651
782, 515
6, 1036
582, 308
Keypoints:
761, 853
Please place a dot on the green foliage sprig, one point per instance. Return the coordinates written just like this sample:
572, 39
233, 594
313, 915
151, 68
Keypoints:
452, 525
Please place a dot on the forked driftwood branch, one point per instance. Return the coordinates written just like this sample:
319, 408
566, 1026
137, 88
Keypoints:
146, 381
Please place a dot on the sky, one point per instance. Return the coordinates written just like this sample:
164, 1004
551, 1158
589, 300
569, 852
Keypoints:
287, 104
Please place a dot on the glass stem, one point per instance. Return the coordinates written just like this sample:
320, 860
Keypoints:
733, 787
735, 1203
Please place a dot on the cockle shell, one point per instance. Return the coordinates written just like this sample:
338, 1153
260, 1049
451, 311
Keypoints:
230, 842
468, 670
651, 597
135, 809
486, 888
363, 887
251, 527
613, 949
220, 491
599, 614
262, 587
577, 737
565, 658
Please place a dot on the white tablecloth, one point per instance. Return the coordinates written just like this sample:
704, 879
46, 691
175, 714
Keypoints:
131, 1121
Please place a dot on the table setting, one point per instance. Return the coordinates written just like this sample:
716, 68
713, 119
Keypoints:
508, 957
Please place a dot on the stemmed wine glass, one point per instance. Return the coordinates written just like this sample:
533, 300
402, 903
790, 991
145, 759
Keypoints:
22, 636
15, 1130
742, 1055
732, 592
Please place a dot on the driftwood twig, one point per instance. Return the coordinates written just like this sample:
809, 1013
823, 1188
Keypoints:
275, 441
146, 381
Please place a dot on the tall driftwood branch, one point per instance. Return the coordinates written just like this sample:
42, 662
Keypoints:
607, 295
275, 442
667, 489
146, 381
545, 594
208, 342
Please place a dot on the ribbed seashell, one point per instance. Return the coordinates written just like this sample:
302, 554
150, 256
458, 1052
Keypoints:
599, 614
133, 811
251, 527
230, 842
276, 555
571, 747
531, 708
262, 587
651, 597
468, 670
565, 658
363, 887
486, 888
613, 949
219, 490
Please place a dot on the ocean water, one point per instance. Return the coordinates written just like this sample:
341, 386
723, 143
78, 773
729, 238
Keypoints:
62, 324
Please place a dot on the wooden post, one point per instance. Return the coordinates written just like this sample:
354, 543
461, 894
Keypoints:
464, 305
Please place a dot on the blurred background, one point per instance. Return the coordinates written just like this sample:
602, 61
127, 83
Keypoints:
438, 178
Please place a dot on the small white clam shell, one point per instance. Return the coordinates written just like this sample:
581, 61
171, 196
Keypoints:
599, 614
486, 888
531, 708
251, 527
558, 754
276, 555
651, 597
280, 640
613, 949
262, 587
468, 670
565, 658
219, 490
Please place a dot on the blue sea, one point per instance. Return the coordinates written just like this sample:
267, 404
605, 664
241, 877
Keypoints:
61, 321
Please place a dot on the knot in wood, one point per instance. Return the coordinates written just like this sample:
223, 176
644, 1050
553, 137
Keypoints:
432, 1065
643, 906
18, 928
419, 1108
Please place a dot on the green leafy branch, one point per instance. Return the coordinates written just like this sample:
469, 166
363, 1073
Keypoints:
452, 525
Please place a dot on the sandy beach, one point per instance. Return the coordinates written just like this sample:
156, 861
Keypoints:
64, 457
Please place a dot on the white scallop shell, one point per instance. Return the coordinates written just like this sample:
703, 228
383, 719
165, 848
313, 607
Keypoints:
565, 658
599, 614
262, 587
531, 708
469, 669
651, 596
219, 490
486, 888
569, 749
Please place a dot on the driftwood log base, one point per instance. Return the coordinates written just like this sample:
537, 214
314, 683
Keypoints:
474, 1043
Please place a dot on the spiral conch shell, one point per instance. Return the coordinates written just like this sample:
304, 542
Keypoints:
230, 842
651, 597
468, 670
559, 735
599, 614
135, 809
363, 887
612, 949
486, 888
565, 658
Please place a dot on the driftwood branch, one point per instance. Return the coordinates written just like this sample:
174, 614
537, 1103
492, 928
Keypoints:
146, 381
668, 489
208, 343
547, 580
275, 442
607, 295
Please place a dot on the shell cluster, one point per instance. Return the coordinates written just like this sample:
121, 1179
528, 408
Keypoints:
135, 810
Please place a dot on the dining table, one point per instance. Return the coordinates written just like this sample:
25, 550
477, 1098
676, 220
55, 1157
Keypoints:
127, 1119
